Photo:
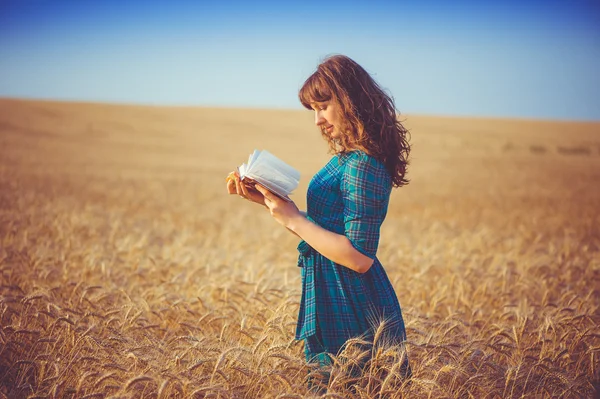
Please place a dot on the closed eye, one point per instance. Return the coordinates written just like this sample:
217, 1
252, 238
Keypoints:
320, 107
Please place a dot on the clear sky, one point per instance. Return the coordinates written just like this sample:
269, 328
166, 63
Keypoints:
525, 59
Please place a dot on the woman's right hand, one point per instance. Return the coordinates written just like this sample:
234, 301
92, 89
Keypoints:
236, 186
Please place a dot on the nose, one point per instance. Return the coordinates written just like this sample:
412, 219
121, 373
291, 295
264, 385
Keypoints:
319, 120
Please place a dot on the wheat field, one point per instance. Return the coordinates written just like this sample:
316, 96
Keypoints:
126, 271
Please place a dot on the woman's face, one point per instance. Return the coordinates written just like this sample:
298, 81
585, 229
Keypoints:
327, 118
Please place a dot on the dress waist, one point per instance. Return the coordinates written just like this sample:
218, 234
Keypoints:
305, 251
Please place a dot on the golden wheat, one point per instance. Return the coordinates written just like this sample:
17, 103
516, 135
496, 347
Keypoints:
127, 272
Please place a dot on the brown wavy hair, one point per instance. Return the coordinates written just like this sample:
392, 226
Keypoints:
369, 114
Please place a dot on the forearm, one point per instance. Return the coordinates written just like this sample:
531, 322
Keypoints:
335, 247
292, 231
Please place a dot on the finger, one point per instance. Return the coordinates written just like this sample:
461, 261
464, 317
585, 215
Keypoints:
265, 193
238, 187
231, 187
262, 190
245, 190
255, 195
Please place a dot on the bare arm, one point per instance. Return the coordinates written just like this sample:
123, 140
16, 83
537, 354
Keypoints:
292, 231
335, 247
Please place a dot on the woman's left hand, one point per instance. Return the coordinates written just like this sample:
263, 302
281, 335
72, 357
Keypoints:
283, 211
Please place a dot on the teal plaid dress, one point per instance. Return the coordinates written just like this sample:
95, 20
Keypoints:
350, 196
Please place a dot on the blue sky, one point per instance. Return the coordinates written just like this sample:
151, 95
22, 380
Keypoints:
524, 59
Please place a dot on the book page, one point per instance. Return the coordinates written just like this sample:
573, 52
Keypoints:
268, 168
242, 170
270, 159
281, 193
253, 157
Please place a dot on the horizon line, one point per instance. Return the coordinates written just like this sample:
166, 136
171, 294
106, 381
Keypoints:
300, 108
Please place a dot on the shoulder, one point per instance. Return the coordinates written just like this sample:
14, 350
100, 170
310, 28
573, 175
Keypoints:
358, 159
359, 164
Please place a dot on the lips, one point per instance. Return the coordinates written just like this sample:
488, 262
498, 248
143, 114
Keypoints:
329, 129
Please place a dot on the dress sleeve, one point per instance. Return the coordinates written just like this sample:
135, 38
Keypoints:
365, 187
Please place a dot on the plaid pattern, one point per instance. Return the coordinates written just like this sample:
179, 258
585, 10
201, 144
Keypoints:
350, 196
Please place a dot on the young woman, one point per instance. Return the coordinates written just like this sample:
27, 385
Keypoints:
345, 290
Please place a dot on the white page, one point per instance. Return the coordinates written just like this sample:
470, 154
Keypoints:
273, 187
255, 154
269, 168
278, 164
265, 172
271, 172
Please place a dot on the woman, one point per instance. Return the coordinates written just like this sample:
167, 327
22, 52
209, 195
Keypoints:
345, 290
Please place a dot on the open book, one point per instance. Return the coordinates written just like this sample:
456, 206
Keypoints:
270, 172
